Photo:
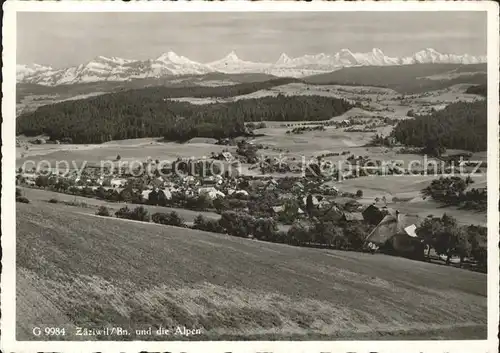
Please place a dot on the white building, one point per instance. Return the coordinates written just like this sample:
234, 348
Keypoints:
211, 192
116, 183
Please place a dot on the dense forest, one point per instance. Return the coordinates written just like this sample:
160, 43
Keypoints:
148, 112
460, 125
481, 90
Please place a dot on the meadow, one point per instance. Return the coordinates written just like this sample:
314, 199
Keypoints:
79, 269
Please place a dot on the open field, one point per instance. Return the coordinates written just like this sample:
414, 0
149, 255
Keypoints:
78, 269
129, 150
382, 101
408, 199
31, 96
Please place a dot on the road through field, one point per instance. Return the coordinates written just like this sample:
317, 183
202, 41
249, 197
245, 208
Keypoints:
95, 271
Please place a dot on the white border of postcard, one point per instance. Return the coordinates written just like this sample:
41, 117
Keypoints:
8, 290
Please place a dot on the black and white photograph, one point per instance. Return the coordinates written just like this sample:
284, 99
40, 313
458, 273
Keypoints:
251, 176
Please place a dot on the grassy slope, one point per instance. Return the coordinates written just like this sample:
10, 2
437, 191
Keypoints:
81, 269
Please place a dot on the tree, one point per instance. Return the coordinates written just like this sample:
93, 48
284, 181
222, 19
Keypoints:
265, 228
309, 205
429, 231
162, 198
463, 247
206, 224
356, 234
103, 211
118, 157
42, 181
153, 197
359, 193
123, 212
237, 224
100, 193
171, 218
298, 234
140, 214
290, 212
22, 199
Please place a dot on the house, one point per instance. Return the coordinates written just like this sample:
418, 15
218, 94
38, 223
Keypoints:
115, 183
167, 193
237, 192
298, 186
373, 215
156, 182
227, 156
353, 217
315, 201
278, 209
211, 192
145, 194
271, 184
324, 204
29, 176
189, 179
396, 234
209, 180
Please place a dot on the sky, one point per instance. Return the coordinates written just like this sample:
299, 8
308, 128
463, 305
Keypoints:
68, 39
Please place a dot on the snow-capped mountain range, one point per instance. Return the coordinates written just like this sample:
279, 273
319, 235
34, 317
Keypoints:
170, 64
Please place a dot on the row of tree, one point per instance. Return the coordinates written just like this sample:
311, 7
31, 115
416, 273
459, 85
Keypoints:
446, 237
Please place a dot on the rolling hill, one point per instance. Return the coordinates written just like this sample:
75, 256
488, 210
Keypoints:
406, 79
80, 269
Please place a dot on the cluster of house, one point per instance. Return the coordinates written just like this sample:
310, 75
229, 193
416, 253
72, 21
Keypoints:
390, 225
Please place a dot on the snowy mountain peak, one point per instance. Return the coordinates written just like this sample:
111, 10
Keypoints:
283, 59
169, 56
111, 60
345, 51
104, 68
232, 56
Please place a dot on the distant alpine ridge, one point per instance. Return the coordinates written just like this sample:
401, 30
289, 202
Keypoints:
170, 64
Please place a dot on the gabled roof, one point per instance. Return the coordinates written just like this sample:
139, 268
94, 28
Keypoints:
392, 225
353, 216
278, 209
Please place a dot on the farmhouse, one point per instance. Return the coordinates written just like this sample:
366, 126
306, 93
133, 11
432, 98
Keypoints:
373, 215
352, 217
396, 234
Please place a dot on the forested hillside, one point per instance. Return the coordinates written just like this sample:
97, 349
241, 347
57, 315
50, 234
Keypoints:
481, 90
71, 90
406, 79
148, 112
460, 125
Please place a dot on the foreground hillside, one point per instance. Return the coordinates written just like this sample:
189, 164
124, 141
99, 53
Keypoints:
79, 269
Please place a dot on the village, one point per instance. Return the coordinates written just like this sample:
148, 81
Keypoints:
293, 206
